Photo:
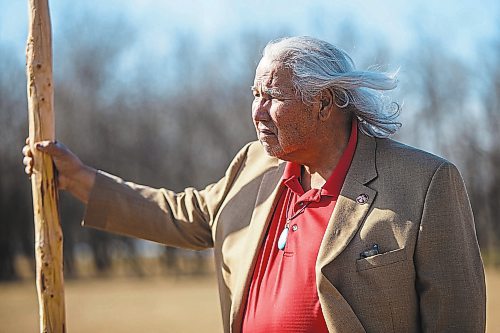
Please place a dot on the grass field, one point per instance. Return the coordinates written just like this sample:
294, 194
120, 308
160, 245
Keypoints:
147, 305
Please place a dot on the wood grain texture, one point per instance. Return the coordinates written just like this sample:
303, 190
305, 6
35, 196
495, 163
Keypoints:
48, 233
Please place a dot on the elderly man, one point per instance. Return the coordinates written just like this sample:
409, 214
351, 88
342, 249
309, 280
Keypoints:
323, 226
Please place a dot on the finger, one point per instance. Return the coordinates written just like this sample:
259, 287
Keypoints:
28, 170
28, 140
28, 161
27, 151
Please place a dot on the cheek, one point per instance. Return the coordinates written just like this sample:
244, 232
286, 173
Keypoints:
289, 132
279, 114
288, 117
295, 126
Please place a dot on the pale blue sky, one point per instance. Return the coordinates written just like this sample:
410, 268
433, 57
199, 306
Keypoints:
462, 26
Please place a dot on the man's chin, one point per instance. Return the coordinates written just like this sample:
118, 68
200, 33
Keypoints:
271, 150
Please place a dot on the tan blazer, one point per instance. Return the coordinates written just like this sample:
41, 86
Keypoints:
428, 276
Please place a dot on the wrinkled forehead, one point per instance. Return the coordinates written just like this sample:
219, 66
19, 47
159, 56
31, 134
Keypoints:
273, 74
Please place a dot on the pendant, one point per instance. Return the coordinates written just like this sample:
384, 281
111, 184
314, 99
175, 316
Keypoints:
283, 238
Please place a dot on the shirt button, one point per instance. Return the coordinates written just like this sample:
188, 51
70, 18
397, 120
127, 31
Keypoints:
295, 227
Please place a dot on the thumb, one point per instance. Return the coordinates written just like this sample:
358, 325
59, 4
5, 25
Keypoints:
52, 148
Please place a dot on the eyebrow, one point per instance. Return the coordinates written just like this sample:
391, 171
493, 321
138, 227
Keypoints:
275, 92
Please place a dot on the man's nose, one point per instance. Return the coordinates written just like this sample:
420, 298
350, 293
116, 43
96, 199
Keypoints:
260, 110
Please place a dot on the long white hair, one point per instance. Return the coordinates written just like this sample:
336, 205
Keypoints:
317, 65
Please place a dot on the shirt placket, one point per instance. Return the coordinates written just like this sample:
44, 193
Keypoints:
297, 224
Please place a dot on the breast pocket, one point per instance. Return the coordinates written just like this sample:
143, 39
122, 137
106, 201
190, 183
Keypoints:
380, 260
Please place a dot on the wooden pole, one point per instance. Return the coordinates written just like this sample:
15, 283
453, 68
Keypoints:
48, 233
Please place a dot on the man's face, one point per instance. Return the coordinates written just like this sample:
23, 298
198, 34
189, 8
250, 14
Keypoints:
285, 125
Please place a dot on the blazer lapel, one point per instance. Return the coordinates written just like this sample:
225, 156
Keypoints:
353, 203
350, 211
267, 198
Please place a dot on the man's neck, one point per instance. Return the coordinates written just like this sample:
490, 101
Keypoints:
316, 178
310, 181
319, 168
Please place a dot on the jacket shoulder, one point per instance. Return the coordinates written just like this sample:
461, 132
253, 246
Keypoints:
409, 167
254, 153
394, 154
252, 160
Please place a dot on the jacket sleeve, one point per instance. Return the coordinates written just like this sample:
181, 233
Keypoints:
175, 219
450, 275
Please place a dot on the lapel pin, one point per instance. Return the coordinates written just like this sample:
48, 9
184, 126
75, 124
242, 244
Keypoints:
362, 198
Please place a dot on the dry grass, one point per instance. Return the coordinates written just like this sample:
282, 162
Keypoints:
493, 301
147, 305
120, 305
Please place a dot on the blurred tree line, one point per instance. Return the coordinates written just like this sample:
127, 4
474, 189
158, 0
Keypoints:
178, 123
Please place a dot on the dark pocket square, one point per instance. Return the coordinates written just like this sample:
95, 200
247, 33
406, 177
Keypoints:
380, 260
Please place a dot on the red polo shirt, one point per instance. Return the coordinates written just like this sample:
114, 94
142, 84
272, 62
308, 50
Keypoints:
283, 295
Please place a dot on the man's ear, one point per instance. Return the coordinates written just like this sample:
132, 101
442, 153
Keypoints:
326, 104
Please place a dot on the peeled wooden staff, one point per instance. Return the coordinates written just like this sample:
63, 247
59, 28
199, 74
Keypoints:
48, 233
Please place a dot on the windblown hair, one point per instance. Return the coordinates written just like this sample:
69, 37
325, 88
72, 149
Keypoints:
317, 65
